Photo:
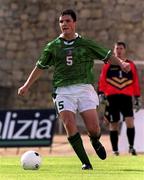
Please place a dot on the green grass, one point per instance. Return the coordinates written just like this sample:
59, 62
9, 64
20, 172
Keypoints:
69, 168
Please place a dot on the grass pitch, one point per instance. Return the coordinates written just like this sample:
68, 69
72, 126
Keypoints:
69, 168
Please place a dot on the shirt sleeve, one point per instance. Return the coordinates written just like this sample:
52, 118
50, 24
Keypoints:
100, 52
136, 84
46, 58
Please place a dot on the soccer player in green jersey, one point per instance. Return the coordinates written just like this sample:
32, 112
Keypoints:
73, 58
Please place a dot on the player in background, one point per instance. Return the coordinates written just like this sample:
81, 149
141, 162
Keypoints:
117, 89
73, 58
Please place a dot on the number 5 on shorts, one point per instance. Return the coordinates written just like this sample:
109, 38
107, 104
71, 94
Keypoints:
60, 105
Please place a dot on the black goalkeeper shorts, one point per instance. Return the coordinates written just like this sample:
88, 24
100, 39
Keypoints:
119, 104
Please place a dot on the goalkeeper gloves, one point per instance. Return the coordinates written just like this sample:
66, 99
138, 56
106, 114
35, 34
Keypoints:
137, 103
103, 99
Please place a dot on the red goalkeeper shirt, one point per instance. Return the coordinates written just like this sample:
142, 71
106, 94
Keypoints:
115, 81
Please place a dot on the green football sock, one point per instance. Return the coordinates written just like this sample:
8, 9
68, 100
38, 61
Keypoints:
77, 144
94, 140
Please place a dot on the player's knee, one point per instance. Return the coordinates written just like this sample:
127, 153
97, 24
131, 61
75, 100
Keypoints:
95, 135
94, 132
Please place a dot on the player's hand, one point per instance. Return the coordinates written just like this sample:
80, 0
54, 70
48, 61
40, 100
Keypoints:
103, 99
125, 67
137, 104
23, 90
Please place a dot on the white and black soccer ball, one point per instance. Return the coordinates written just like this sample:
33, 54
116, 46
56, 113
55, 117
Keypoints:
31, 160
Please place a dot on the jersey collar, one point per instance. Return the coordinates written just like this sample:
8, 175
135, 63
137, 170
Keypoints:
69, 42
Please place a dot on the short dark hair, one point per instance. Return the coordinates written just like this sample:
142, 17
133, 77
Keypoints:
121, 43
71, 13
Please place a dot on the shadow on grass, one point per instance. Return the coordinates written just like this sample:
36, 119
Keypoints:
122, 170
133, 170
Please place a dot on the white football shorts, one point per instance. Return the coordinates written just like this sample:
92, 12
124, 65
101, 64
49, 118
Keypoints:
80, 97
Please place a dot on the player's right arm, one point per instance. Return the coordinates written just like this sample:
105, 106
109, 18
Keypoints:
35, 74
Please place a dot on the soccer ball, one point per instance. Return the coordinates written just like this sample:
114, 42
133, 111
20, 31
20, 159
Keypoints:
31, 160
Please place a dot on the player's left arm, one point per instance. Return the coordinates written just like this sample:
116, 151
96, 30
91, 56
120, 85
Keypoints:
106, 55
125, 66
136, 87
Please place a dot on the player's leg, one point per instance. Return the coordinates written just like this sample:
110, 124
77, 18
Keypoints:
87, 103
129, 120
66, 108
74, 137
130, 134
91, 121
114, 133
113, 116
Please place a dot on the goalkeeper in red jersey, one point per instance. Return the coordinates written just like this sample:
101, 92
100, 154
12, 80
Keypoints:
72, 57
118, 88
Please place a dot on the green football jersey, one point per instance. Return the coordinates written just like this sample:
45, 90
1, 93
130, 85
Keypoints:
72, 60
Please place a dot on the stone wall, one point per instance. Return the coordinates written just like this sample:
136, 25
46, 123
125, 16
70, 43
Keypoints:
26, 25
